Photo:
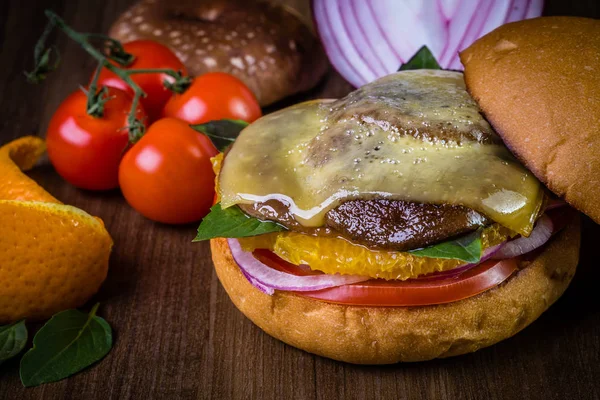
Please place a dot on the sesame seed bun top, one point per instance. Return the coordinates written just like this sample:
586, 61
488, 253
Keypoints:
266, 45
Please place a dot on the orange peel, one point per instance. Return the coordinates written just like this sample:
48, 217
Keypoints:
52, 256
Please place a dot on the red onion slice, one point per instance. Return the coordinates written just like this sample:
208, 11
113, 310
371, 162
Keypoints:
555, 203
268, 279
539, 236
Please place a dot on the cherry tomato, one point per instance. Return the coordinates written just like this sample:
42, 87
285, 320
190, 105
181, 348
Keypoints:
86, 150
167, 176
148, 54
412, 292
212, 96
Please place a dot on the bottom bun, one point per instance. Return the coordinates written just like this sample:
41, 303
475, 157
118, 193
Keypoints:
386, 335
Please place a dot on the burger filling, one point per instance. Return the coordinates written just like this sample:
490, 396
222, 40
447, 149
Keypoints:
400, 179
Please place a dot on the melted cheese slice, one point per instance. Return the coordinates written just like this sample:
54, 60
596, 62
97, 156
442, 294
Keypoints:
415, 136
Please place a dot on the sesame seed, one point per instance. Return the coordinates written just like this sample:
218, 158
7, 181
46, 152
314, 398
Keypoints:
200, 32
176, 41
199, 52
270, 48
211, 15
292, 45
250, 35
210, 62
157, 32
175, 34
237, 62
144, 27
205, 40
137, 19
249, 59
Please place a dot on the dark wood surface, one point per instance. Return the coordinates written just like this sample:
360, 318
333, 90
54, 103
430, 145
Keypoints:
178, 335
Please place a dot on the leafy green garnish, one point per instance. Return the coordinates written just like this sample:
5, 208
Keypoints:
466, 248
231, 222
12, 340
222, 132
423, 59
68, 343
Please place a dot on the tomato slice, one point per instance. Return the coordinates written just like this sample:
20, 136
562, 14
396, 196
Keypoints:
412, 292
419, 293
275, 262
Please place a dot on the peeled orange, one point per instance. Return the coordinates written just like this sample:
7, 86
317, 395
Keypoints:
333, 255
52, 256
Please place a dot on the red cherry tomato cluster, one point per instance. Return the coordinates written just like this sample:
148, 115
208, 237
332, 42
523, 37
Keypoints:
167, 175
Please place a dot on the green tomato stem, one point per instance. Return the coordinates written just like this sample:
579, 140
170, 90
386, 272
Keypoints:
135, 127
96, 100
180, 84
116, 51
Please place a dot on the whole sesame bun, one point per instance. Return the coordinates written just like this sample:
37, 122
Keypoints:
538, 83
385, 335
266, 45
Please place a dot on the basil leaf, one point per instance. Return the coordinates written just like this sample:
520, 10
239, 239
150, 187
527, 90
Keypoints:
221, 132
466, 248
13, 338
231, 222
423, 59
66, 344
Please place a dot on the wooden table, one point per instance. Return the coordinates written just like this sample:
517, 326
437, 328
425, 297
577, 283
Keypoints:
178, 335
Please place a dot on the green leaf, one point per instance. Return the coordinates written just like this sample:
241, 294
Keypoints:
68, 343
12, 340
466, 248
423, 59
231, 222
222, 132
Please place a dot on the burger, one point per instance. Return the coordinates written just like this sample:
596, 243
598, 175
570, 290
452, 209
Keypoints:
426, 214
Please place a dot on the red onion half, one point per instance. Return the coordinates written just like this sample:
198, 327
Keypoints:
367, 39
268, 279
